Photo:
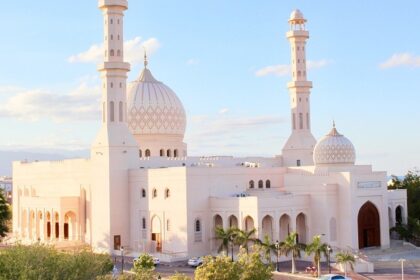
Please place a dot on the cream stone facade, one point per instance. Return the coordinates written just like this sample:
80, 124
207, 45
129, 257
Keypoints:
140, 190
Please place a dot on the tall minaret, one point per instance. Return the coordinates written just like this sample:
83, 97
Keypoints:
114, 151
299, 147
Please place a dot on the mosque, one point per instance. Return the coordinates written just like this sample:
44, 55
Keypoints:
140, 189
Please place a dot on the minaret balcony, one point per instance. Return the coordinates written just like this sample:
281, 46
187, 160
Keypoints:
124, 66
297, 33
119, 3
299, 84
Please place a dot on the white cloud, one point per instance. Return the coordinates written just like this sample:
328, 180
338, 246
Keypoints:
284, 69
133, 51
81, 103
401, 59
193, 61
223, 111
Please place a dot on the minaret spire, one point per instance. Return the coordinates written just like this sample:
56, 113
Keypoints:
113, 70
146, 62
299, 147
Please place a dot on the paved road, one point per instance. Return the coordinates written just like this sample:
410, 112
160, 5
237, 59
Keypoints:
383, 270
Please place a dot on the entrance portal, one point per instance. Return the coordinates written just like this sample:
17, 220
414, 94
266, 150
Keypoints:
369, 226
156, 233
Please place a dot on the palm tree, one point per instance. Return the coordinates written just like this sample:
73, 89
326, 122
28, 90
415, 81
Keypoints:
289, 245
243, 237
267, 247
345, 257
227, 237
317, 248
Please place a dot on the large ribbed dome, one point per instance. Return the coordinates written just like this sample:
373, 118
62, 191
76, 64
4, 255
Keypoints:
334, 148
153, 108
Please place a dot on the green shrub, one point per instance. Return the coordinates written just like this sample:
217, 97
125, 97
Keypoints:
43, 262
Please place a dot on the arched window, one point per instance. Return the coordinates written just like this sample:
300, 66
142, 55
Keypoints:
120, 108
300, 120
175, 153
112, 37
267, 184
118, 53
154, 193
111, 111
143, 223
140, 153
251, 184
143, 193
112, 21
260, 184
112, 85
299, 73
118, 37
111, 52
294, 121
147, 153
162, 152
168, 153
120, 85
197, 225
167, 193
168, 225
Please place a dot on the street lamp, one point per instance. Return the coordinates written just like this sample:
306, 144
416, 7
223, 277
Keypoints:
122, 259
231, 245
278, 249
402, 268
329, 250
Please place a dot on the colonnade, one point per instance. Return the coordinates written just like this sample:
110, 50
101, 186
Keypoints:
48, 225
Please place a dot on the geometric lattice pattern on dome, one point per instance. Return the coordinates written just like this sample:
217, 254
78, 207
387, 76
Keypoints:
334, 148
153, 108
156, 120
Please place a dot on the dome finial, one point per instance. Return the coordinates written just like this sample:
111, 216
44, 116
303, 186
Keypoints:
333, 123
145, 57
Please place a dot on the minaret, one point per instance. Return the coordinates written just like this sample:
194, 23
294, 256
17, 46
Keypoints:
114, 151
299, 147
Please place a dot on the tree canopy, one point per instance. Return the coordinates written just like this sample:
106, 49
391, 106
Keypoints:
5, 215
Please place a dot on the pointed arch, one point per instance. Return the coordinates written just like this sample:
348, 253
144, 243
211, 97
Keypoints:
369, 231
267, 227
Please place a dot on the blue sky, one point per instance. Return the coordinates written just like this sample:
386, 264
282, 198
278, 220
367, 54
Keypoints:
365, 57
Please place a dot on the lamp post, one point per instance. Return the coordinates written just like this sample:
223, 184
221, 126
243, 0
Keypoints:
231, 245
122, 259
329, 250
277, 249
402, 268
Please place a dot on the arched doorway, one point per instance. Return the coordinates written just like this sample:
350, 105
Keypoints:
301, 228
398, 215
249, 224
284, 226
369, 226
267, 227
70, 226
156, 233
233, 221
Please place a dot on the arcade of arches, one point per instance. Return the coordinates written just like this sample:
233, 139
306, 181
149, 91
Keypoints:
40, 225
268, 226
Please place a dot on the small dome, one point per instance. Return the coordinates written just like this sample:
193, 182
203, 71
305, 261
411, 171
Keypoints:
296, 15
153, 108
334, 148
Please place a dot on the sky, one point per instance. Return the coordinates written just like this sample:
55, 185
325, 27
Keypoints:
228, 62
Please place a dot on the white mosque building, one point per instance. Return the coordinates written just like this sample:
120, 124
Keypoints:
140, 189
